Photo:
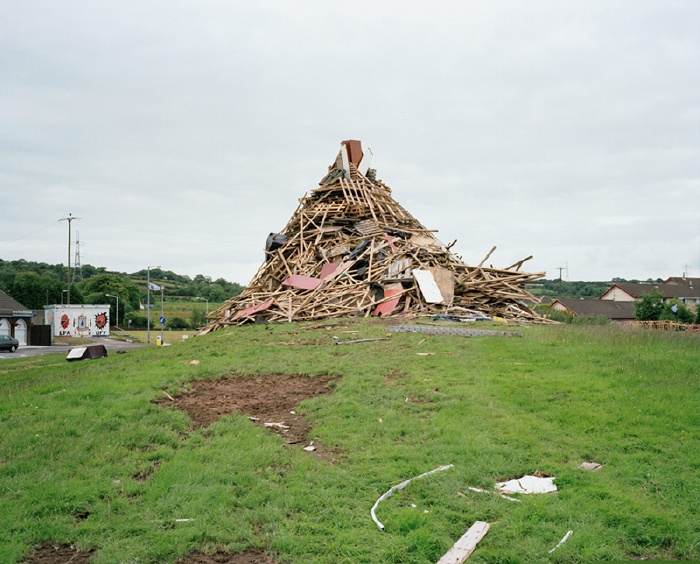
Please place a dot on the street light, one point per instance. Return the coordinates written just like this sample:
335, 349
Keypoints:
148, 303
206, 300
63, 292
111, 296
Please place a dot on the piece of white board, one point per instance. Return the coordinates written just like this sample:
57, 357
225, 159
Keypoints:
428, 286
462, 549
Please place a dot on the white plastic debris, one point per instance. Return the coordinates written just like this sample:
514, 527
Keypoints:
276, 425
504, 496
562, 541
527, 485
401, 486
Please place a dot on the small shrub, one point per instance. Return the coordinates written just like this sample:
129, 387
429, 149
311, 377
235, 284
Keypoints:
561, 316
178, 323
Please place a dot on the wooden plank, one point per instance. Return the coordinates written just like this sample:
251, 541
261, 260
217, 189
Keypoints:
463, 548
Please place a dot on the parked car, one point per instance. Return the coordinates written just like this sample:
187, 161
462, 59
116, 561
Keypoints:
8, 343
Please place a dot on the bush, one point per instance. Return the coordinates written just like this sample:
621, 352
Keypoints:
178, 323
591, 320
561, 316
137, 321
650, 307
682, 313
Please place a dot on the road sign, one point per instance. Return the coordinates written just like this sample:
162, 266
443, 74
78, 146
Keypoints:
162, 320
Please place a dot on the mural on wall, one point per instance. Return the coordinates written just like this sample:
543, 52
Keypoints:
79, 320
101, 320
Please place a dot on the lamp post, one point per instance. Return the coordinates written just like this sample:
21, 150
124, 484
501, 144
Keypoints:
148, 303
62, 293
111, 296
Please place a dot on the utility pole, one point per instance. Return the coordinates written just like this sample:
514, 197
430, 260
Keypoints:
68, 219
560, 268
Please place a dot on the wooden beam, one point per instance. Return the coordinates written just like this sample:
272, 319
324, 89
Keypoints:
463, 548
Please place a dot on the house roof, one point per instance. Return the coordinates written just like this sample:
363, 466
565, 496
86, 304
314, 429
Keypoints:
670, 288
607, 308
681, 287
10, 307
634, 289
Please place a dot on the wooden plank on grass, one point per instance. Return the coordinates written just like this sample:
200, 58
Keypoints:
463, 548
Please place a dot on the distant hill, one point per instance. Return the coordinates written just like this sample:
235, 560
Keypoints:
39, 283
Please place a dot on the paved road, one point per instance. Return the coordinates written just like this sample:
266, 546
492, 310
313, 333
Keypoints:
26, 351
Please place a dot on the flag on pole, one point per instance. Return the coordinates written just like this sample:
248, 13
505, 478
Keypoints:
152, 286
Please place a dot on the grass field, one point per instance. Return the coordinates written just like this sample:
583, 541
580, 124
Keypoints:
78, 439
141, 337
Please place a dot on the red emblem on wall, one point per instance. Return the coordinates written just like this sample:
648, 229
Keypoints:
65, 321
101, 320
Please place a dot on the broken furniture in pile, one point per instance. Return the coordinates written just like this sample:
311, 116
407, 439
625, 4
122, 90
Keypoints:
350, 249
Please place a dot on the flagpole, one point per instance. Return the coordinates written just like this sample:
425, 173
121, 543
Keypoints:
148, 304
162, 315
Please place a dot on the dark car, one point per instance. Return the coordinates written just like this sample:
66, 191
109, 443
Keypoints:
8, 343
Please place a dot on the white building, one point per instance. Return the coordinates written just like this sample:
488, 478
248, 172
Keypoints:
79, 320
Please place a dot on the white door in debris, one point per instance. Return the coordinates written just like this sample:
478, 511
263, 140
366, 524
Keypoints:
4, 327
21, 331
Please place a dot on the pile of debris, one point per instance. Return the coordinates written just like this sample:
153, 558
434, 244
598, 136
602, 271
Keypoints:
350, 249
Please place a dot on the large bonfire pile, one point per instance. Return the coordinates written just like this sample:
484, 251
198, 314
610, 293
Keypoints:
350, 249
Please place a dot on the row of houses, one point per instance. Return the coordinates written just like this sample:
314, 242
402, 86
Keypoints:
617, 302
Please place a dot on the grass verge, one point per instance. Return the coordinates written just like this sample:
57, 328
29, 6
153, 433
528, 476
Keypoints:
87, 457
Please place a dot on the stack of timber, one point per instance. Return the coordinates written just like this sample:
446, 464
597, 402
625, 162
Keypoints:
350, 249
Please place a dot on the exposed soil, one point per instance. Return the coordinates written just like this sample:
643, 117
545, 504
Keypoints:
61, 554
269, 401
247, 557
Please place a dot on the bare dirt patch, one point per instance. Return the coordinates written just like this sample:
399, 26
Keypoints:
247, 557
58, 554
270, 401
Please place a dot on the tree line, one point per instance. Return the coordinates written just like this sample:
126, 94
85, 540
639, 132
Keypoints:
556, 288
36, 284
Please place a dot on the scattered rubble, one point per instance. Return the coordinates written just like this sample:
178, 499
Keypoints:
430, 330
350, 249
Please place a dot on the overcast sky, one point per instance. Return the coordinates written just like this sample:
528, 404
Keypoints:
182, 133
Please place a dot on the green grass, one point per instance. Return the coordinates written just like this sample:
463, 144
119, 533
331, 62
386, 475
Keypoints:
141, 337
180, 308
76, 438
